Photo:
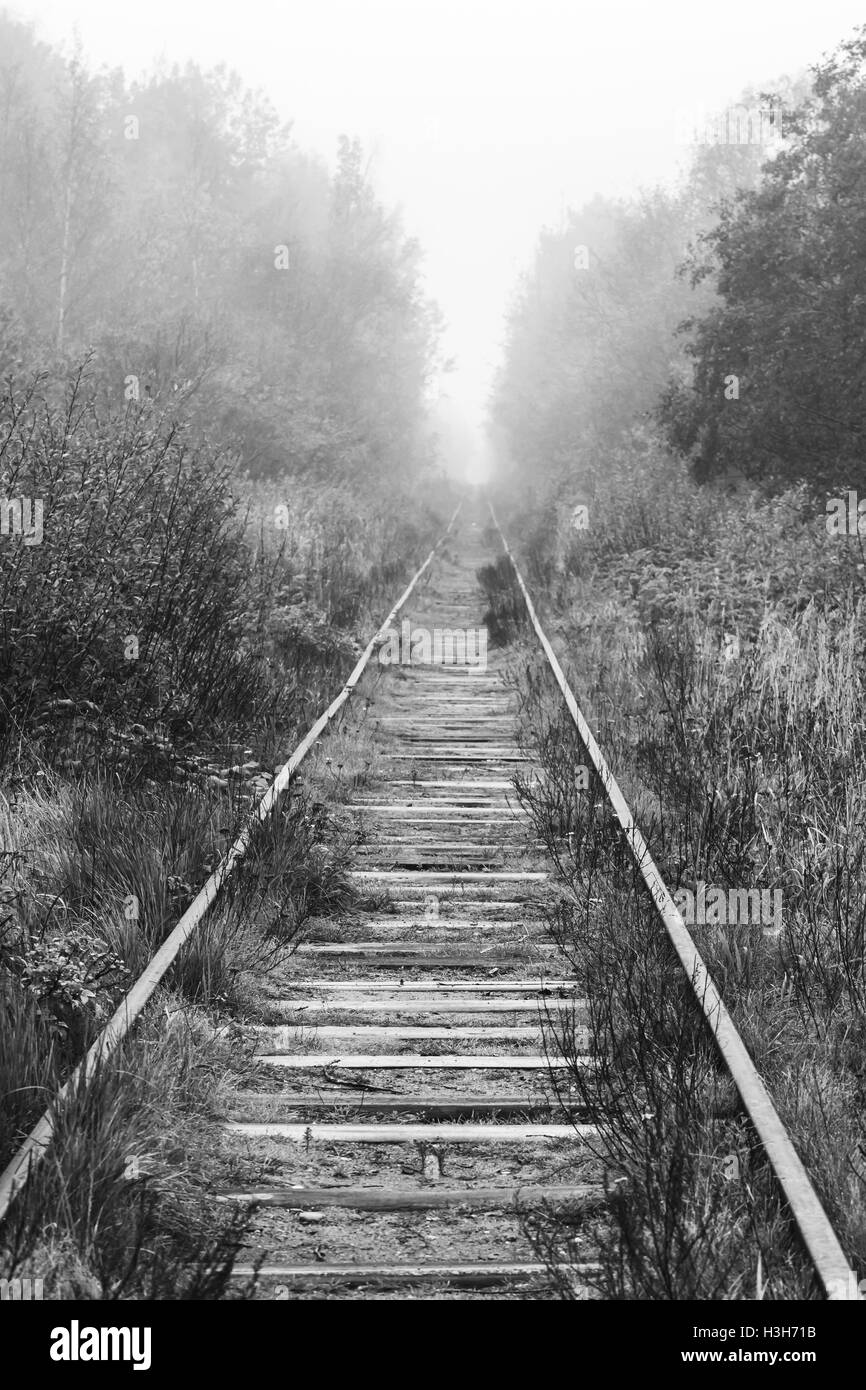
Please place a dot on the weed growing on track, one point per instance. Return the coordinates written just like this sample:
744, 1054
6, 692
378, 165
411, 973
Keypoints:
70, 942
744, 764
349, 759
506, 611
690, 1204
77, 857
120, 1206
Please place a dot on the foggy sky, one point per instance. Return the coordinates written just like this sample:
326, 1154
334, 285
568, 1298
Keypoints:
484, 118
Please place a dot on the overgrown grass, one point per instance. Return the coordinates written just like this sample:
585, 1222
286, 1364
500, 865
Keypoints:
506, 612
94, 884
169, 607
163, 649
120, 1207
715, 643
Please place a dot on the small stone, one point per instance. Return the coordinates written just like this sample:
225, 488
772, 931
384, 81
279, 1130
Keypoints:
432, 1167
311, 1217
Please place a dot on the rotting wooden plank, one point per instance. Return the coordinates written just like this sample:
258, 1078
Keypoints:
476, 826
446, 709
416, 712
411, 838
467, 758
433, 790
432, 814
420, 830
454, 905
286, 1033
468, 1004
499, 931
476, 784
451, 736
403, 854
494, 785
408, 877
373, 1102
495, 948
504, 946
520, 929
430, 802
453, 792
415, 1061
387, 1276
450, 714
463, 678
407, 963
416, 826
537, 986
391, 838
415, 1199
456, 736
457, 758
456, 901
428, 798
421, 855
460, 811
427, 748
408, 960
387, 847
409, 852
433, 1133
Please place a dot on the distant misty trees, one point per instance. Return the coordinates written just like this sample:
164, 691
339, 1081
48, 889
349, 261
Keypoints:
731, 311
592, 334
174, 230
788, 262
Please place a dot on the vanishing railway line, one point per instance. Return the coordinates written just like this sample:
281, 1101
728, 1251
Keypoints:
433, 1001
406, 1108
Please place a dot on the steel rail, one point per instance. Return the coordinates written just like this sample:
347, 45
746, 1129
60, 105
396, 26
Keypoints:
828, 1258
35, 1146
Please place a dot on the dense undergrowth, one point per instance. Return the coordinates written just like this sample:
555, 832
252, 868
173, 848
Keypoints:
167, 602
715, 642
165, 645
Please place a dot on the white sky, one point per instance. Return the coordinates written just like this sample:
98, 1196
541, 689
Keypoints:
484, 117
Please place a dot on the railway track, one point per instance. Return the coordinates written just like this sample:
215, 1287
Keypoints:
410, 1100
433, 1005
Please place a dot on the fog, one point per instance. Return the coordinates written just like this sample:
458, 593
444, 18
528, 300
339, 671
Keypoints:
483, 120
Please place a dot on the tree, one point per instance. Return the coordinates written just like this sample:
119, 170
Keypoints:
787, 261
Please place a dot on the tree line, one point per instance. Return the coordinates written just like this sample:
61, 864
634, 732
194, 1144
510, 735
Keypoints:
727, 313
173, 229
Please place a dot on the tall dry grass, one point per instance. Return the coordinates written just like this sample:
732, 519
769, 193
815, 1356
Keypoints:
716, 645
